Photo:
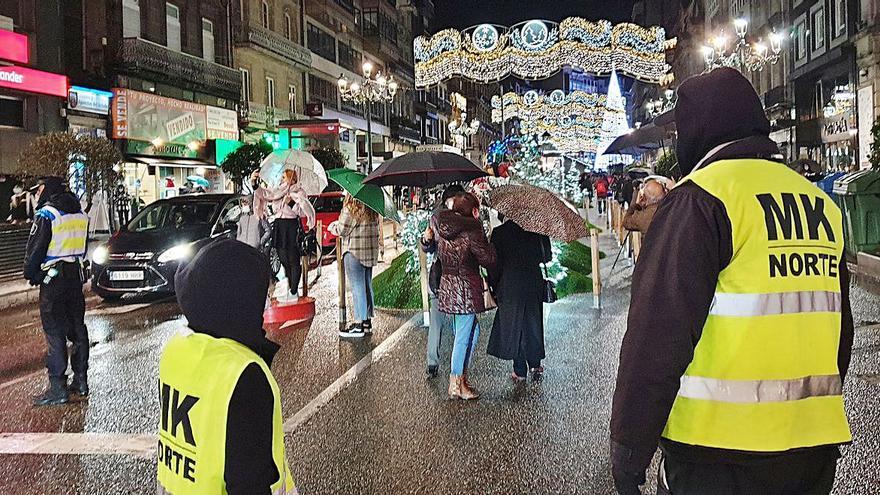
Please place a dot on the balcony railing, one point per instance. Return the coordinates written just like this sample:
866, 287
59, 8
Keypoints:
276, 44
263, 116
139, 56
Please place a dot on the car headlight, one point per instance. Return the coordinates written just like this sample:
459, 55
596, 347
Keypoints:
175, 253
101, 254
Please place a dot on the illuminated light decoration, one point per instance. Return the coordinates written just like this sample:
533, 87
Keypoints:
485, 37
532, 105
538, 49
13, 47
613, 126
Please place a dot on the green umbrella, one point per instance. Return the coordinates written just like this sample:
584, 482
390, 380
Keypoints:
372, 196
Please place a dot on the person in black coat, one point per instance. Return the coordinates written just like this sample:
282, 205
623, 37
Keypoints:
518, 329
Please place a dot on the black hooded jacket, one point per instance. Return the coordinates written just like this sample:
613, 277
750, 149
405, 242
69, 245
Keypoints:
222, 293
41, 233
689, 243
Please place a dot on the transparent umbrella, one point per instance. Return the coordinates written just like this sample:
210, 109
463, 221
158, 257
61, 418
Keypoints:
310, 172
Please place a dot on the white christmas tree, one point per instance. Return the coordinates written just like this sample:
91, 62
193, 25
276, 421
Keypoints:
614, 124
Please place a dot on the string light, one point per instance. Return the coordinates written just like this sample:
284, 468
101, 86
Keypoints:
538, 49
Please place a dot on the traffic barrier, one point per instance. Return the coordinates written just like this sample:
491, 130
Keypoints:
340, 269
597, 282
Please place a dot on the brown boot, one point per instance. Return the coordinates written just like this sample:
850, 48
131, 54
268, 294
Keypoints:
466, 384
458, 390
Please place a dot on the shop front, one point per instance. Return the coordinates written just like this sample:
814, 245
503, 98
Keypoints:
170, 146
840, 143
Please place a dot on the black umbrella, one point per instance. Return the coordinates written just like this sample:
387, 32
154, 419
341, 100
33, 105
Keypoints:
647, 137
425, 169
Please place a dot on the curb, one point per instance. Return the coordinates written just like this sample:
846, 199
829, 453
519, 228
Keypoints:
19, 298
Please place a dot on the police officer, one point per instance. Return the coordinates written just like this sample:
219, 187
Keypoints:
53, 260
740, 331
220, 428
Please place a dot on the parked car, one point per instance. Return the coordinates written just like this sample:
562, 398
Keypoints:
144, 255
328, 206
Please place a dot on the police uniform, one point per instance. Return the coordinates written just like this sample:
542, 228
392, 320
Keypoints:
54, 255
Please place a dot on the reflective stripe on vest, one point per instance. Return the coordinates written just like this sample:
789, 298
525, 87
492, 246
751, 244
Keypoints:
751, 391
764, 375
69, 234
775, 303
197, 376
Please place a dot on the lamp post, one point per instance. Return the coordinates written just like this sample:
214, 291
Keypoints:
462, 129
372, 89
744, 56
660, 105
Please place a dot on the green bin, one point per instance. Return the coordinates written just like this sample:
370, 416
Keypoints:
860, 195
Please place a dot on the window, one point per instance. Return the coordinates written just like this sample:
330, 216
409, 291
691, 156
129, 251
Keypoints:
349, 58
291, 99
270, 92
347, 5
11, 112
172, 26
321, 43
376, 23
838, 25
245, 84
207, 40
323, 91
131, 18
800, 40
817, 26
288, 27
264, 14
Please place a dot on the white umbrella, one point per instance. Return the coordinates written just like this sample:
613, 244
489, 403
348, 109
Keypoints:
310, 172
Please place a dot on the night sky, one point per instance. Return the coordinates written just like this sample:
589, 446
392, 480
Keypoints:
465, 13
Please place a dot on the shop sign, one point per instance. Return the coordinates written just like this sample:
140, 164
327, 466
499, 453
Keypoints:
133, 147
222, 123
13, 47
434, 148
152, 118
89, 100
33, 81
838, 127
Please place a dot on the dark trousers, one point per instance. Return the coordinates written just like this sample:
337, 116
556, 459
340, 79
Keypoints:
521, 363
600, 204
62, 311
290, 260
808, 472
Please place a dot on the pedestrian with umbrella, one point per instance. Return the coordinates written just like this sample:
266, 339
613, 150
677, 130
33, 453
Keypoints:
358, 227
530, 215
291, 177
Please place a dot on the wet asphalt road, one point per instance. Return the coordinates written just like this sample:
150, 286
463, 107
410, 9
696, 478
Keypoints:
391, 430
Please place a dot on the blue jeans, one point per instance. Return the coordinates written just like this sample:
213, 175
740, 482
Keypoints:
360, 279
467, 332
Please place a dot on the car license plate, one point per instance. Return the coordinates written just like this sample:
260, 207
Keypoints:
127, 275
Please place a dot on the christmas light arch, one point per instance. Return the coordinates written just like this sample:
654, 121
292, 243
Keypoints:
537, 49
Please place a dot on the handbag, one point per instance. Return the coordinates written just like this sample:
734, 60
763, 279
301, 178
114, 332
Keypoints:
488, 299
435, 275
548, 294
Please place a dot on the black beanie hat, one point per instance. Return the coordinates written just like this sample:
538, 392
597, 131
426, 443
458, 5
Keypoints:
222, 292
713, 109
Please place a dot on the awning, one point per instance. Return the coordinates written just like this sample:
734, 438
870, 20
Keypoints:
170, 162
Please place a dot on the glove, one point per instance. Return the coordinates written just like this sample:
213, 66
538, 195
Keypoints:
625, 480
35, 281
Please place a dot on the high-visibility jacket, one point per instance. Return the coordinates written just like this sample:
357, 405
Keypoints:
197, 376
69, 234
764, 376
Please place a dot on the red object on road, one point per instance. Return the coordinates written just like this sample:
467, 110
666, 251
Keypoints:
289, 314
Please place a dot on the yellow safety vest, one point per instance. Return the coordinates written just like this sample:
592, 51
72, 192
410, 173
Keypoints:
69, 234
197, 376
764, 377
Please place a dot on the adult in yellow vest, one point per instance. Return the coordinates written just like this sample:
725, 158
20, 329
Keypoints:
53, 260
739, 332
220, 428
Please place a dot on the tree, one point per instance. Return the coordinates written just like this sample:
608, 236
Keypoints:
329, 158
87, 162
667, 165
239, 164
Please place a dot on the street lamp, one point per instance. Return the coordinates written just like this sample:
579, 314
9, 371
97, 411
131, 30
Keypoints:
372, 89
654, 108
744, 56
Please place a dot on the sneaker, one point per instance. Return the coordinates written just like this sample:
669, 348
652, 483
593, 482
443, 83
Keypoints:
432, 371
537, 373
367, 325
355, 330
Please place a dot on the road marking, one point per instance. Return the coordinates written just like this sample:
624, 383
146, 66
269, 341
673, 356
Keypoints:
117, 310
78, 444
144, 445
347, 378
